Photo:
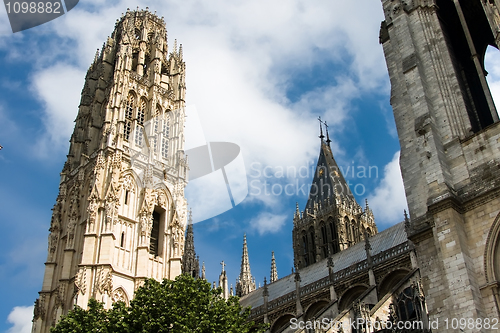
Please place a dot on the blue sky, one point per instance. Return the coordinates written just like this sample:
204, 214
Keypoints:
259, 74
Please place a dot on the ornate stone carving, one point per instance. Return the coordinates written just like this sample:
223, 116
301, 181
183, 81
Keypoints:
111, 207
145, 226
60, 295
53, 239
117, 159
100, 162
39, 309
80, 280
92, 210
73, 218
104, 281
161, 199
119, 296
128, 183
177, 238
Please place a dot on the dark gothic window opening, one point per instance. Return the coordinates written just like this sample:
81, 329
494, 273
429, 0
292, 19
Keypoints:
155, 235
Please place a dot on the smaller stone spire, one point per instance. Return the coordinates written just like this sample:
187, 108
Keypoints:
330, 264
203, 271
368, 248
298, 305
265, 294
369, 260
246, 283
190, 262
223, 282
407, 222
274, 270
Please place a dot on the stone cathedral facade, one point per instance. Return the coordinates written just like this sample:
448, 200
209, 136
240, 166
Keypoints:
121, 213
442, 263
449, 132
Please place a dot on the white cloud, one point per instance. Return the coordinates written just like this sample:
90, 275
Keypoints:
389, 200
20, 317
58, 87
240, 62
268, 223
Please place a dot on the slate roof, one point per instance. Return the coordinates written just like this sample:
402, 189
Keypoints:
380, 242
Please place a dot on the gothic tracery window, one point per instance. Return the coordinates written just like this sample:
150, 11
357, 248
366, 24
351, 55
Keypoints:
129, 114
165, 136
409, 307
335, 247
139, 127
312, 245
347, 225
324, 240
155, 235
305, 248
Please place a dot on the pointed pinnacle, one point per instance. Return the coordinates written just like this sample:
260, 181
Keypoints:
321, 136
274, 270
327, 135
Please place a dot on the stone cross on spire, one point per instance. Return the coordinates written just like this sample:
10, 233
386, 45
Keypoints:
327, 135
321, 136
223, 264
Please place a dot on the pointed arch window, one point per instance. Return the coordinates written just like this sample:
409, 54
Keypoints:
154, 137
355, 231
125, 201
165, 136
348, 230
312, 245
409, 306
139, 127
305, 248
335, 236
324, 241
141, 113
155, 235
129, 114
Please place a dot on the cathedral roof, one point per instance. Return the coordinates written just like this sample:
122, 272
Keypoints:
327, 178
380, 242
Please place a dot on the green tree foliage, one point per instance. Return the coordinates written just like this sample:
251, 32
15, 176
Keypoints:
183, 305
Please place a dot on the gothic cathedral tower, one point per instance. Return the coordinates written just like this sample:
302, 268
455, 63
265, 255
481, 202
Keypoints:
121, 213
332, 220
449, 134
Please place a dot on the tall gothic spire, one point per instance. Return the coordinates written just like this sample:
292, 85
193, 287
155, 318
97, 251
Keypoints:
245, 283
274, 270
190, 263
